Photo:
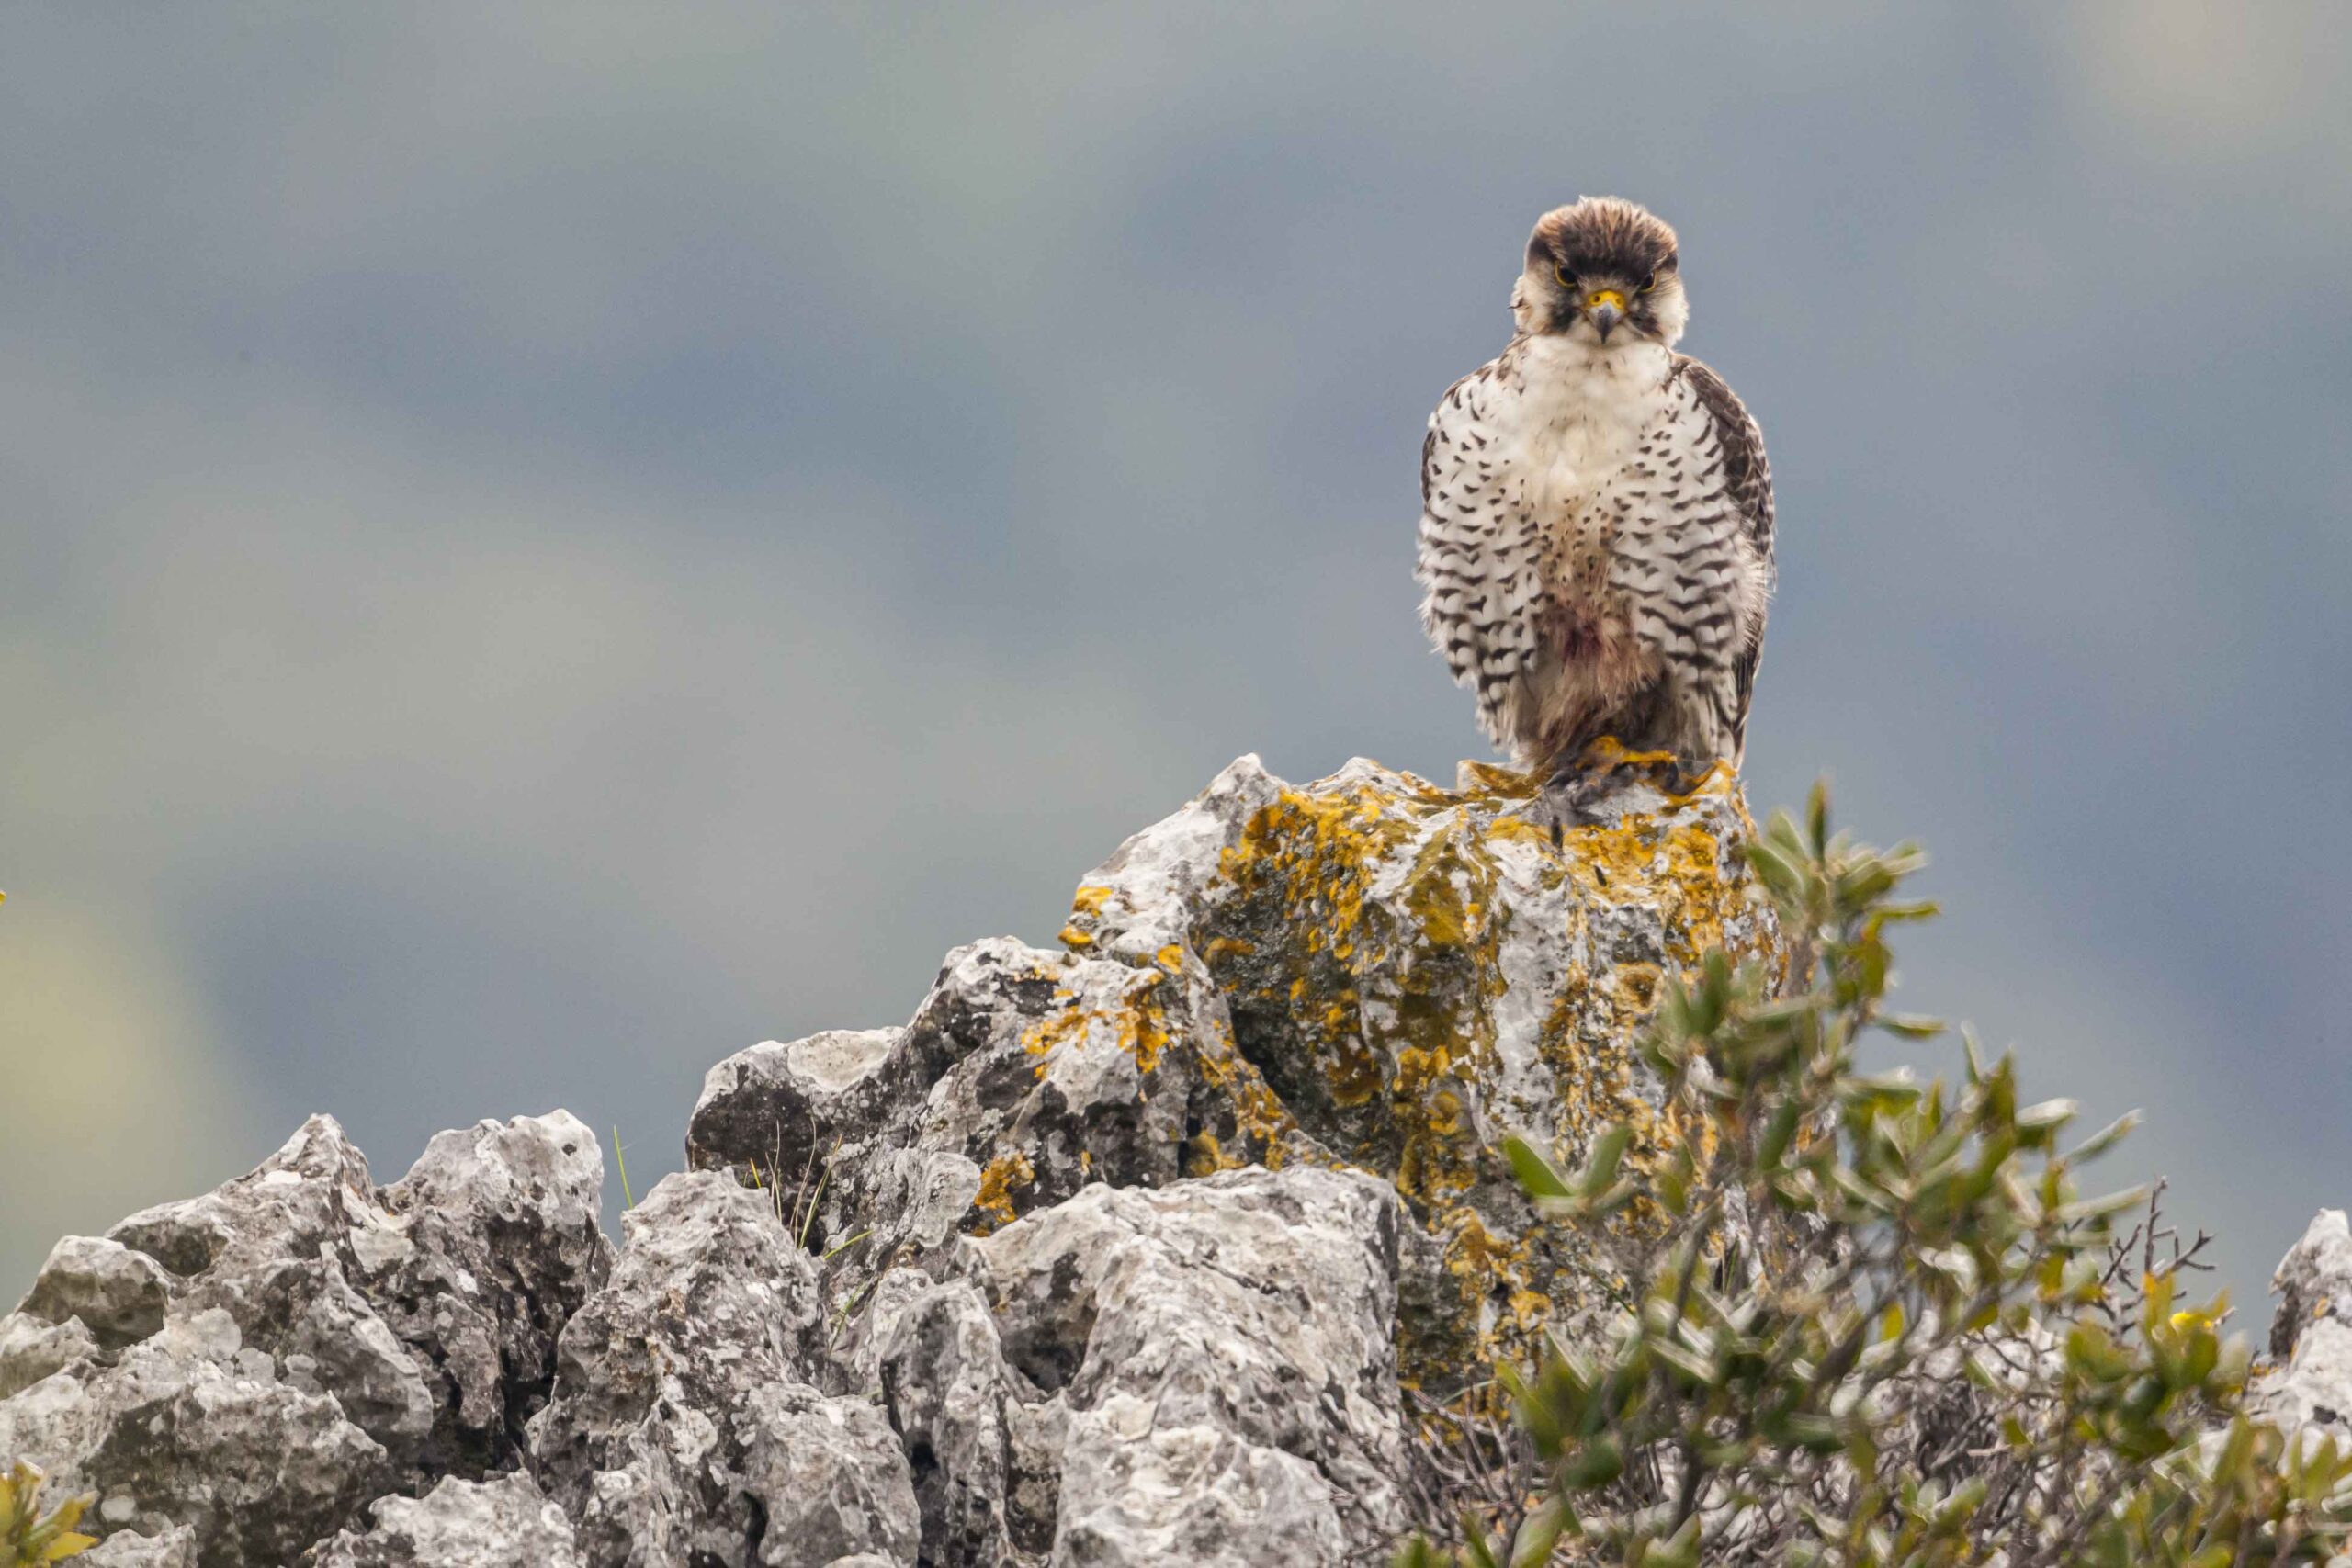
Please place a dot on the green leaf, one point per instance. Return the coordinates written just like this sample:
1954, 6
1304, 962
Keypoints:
1536, 1177
1607, 1154
1540, 1532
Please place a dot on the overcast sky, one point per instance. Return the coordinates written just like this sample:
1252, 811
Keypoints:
542, 546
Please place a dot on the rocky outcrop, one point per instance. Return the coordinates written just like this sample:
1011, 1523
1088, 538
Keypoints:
2307, 1382
1131, 1250
246, 1371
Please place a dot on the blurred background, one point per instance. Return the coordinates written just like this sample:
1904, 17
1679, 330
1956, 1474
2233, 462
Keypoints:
539, 548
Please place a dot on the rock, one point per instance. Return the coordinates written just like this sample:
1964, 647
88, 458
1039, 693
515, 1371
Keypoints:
831, 1475
1417, 972
499, 1240
505, 1522
985, 1443
2308, 1382
761, 1101
235, 1376
189, 1428
31, 1349
116, 1293
1025, 1075
1229, 1351
1366, 970
176, 1548
1111, 1253
682, 1424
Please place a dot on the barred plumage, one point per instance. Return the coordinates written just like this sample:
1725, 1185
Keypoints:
1596, 535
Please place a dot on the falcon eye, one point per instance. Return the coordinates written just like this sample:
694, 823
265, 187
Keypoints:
1649, 283
1567, 279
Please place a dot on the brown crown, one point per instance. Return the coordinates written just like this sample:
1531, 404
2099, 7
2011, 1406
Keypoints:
1603, 236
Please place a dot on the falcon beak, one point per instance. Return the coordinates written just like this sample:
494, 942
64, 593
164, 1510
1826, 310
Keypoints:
1607, 308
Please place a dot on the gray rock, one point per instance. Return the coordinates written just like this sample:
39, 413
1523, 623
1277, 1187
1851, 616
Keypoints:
1247, 1319
505, 1522
1110, 1255
1046, 1072
496, 1241
1415, 973
188, 1429
2308, 1382
32, 1349
829, 1475
682, 1424
774, 1098
237, 1375
118, 1294
985, 1443
174, 1548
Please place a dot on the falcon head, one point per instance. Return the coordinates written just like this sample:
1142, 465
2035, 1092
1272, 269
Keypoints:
1603, 270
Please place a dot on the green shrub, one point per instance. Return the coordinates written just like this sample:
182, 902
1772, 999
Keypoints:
26, 1538
1870, 1322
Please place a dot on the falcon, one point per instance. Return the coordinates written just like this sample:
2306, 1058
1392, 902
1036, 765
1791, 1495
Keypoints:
1596, 534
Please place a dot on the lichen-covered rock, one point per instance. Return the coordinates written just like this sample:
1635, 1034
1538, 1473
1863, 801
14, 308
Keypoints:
2308, 1384
505, 1522
683, 1426
1416, 972
1112, 1254
1366, 972
1025, 1075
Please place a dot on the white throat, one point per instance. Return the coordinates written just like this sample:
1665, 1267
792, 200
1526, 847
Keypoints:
1586, 406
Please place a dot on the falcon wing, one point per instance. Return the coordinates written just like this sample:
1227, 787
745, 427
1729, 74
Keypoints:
1747, 482
1478, 550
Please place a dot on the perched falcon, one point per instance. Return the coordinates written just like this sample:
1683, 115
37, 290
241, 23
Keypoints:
1596, 534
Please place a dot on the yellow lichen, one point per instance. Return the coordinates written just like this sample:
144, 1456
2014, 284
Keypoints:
1358, 933
1004, 1174
1086, 905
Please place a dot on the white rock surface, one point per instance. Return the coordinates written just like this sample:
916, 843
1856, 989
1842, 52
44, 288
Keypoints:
2308, 1381
683, 1426
505, 1522
235, 1376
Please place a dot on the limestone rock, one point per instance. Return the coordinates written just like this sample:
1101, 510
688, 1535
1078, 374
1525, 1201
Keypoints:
1111, 1253
31, 1349
984, 1442
505, 1522
2308, 1382
1231, 1363
1416, 972
117, 1294
174, 1548
682, 1426
1133, 1375
1025, 1075
497, 1241
236, 1375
